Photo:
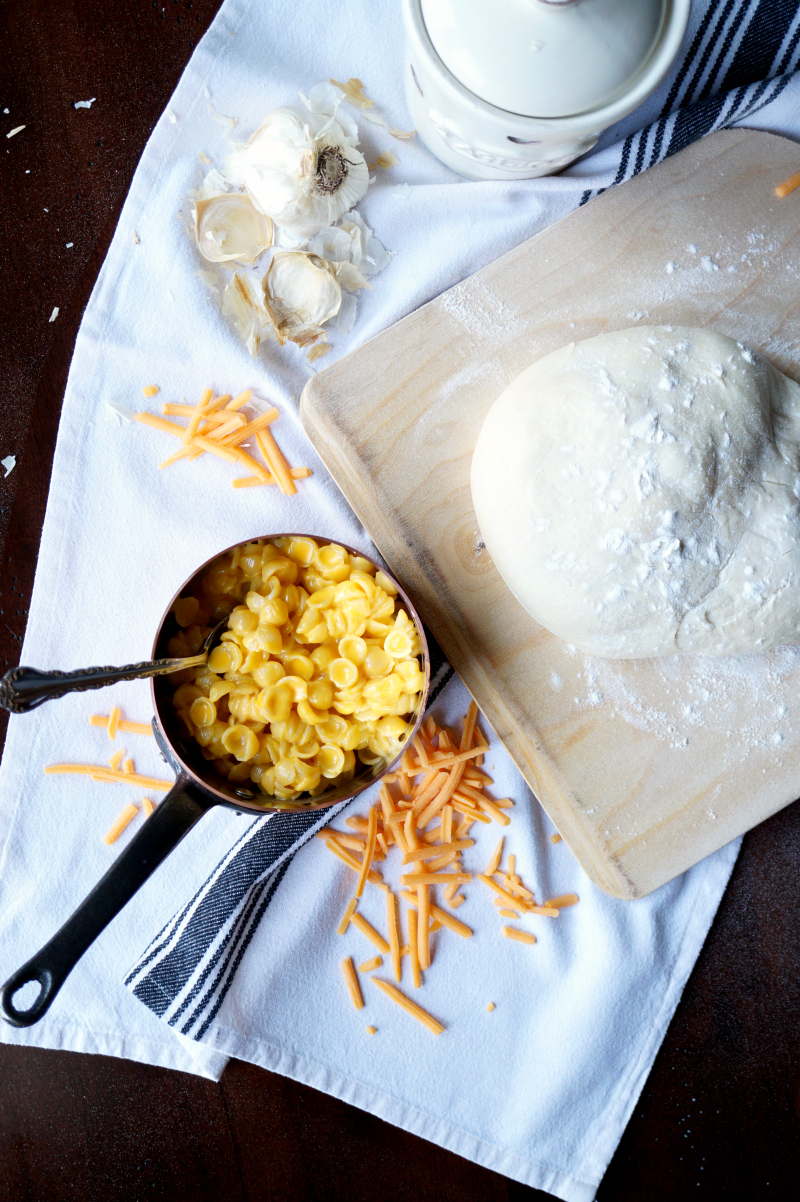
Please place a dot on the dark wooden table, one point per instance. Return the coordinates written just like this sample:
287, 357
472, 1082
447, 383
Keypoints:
719, 1117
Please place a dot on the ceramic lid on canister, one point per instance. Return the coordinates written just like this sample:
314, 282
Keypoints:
546, 58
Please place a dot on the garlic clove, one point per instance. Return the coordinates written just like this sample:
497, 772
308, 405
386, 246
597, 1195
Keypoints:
231, 227
301, 293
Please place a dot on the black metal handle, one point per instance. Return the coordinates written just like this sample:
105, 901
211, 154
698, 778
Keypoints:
22, 689
50, 967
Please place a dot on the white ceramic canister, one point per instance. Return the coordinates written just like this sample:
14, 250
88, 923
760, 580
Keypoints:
510, 89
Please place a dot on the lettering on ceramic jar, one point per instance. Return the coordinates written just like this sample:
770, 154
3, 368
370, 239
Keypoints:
501, 162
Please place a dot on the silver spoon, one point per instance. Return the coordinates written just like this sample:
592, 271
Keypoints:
22, 689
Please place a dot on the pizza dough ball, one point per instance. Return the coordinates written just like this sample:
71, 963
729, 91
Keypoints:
638, 492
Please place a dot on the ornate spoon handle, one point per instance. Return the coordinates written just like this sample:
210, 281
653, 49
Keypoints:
22, 689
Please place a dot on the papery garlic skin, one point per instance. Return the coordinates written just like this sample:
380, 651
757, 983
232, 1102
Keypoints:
301, 293
230, 227
354, 254
242, 301
302, 170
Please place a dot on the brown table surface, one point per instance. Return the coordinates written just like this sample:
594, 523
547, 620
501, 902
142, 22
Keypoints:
719, 1114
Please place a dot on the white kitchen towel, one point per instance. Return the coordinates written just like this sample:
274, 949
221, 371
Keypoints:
542, 1087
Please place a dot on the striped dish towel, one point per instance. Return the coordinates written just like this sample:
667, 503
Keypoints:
186, 972
738, 56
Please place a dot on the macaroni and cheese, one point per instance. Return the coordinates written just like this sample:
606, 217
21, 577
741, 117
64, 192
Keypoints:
318, 673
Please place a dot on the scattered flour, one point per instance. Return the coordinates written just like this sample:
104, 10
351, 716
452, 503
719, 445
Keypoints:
721, 695
480, 311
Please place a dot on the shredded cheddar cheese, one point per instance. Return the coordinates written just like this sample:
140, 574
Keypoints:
217, 427
413, 947
360, 923
215, 448
494, 862
788, 185
424, 926
426, 809
159, 423
447, 920
430, 853
351, 862
494, 811
132, 728
561, 903
394, 938
352, 982
369, 852
297, 473
436, 878
348, 914
109, 775
252, 465
241, 399
410, 1007
520, 936
126, 817
371, 965
113, 722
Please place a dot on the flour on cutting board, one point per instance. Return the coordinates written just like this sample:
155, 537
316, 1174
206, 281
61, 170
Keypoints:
479, 310
697, 692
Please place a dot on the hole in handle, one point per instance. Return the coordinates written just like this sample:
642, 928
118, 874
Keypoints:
26, 997
19, 1005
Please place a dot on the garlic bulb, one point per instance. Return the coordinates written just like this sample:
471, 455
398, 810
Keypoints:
231, 227
301, 293
302, 169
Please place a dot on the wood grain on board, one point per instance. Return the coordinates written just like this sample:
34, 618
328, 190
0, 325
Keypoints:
645, 766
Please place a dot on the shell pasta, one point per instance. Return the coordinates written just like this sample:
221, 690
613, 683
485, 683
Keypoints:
318, 672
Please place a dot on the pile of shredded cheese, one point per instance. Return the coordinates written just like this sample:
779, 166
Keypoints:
113, 723
217, 426
439, 793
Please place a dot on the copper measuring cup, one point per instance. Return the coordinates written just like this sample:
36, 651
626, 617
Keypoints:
196, 789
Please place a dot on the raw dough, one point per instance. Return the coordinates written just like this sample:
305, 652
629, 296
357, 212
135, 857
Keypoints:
638, 492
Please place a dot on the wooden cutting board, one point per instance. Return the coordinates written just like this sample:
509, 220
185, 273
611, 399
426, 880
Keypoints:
645, 766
